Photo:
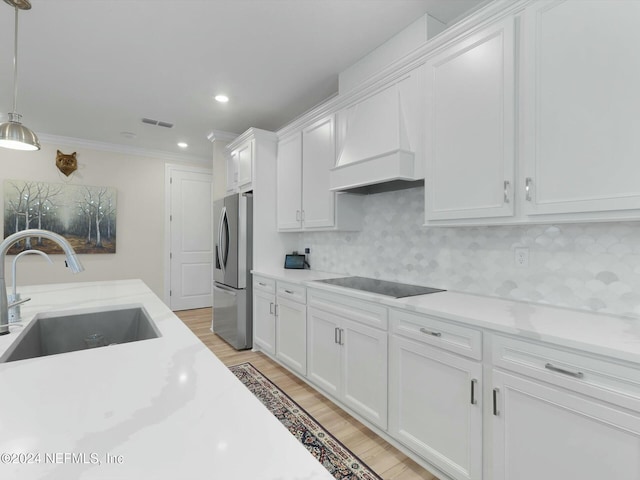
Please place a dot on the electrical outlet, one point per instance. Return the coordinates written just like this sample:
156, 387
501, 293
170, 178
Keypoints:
522, 257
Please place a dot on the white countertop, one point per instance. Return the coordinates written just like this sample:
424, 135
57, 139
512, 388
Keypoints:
165, 408
613, 336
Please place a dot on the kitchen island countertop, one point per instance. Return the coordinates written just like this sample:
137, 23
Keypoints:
164, 408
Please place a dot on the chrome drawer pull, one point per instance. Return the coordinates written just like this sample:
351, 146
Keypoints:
289, 292
496, 412
262, 284
429, 332
553, 368
506, 191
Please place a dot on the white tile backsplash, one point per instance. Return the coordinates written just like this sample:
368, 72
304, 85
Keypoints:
592, 266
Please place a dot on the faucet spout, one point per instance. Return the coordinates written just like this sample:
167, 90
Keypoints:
72, 262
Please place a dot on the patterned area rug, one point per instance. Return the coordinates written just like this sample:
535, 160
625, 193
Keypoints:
335, 457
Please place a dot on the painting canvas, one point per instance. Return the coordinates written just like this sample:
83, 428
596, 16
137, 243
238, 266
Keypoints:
84, 215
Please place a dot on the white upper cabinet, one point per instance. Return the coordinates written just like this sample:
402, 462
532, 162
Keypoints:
289, 189
581, 108
318, 156
232, 172
244, 154
304, 201
470, 156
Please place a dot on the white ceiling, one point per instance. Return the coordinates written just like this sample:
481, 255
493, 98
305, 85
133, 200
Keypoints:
92, 69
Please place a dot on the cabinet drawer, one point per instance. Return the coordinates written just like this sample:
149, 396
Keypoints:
608, 380
294, 292
351, 308
264, 284
427, 329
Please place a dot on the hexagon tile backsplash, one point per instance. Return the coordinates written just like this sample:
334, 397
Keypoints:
591, 266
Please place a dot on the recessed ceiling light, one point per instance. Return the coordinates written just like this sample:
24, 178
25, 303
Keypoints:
183, 145
221, 98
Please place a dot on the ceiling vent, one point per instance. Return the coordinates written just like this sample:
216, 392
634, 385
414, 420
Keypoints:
158, 123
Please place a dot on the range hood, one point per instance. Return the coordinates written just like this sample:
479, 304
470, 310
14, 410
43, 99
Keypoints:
382, 141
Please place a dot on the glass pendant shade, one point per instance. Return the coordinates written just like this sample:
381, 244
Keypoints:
16, 136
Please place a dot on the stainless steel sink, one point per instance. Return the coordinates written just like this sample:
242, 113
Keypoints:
51, 334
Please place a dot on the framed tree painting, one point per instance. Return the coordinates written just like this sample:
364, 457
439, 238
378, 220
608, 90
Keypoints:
84, 215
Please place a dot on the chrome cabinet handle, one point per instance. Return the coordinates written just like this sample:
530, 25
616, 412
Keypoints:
262, 284
290, 292
340, 336
275, 309
335, 335
429, 332
302, 216
553, 368
495, 402
473, 391
506, 191
270, 308
527, 188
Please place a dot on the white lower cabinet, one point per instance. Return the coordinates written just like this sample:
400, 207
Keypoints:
541, 431
280, 321
561, 414
435, 406
435, 392
264, 320
348, 360
291, 328
471, 403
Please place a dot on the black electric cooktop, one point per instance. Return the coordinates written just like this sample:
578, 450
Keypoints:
382, 287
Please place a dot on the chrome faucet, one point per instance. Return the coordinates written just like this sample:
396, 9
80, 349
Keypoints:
72, 262
14, 297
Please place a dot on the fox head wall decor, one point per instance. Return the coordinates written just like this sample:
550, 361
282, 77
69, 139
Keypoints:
66, 163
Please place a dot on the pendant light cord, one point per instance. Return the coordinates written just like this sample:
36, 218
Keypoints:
15, 66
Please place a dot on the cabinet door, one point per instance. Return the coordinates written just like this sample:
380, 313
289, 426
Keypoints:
545, 432
291, 335
323, 350
245, 164
264, 321
289, 183
232, 172
435, 406
364, 371
318, 156
581, 107
470, 127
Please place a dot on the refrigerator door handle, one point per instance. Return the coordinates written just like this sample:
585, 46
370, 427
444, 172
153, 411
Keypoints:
223, 259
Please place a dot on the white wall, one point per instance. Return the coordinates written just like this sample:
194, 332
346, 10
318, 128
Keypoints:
591, 266
139, 181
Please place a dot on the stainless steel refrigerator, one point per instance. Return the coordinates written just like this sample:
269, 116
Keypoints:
232, 296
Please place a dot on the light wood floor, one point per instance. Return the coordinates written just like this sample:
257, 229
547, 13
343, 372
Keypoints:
386, 460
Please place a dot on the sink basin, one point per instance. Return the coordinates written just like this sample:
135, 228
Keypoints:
54, 333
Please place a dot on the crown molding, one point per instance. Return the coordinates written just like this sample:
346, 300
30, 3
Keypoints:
484, 16
117, 148
263, 135
221, 135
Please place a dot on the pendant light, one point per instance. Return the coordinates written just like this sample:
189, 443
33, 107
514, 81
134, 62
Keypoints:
13, 134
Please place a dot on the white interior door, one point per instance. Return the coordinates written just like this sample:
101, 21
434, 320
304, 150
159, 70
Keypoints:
191, 232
